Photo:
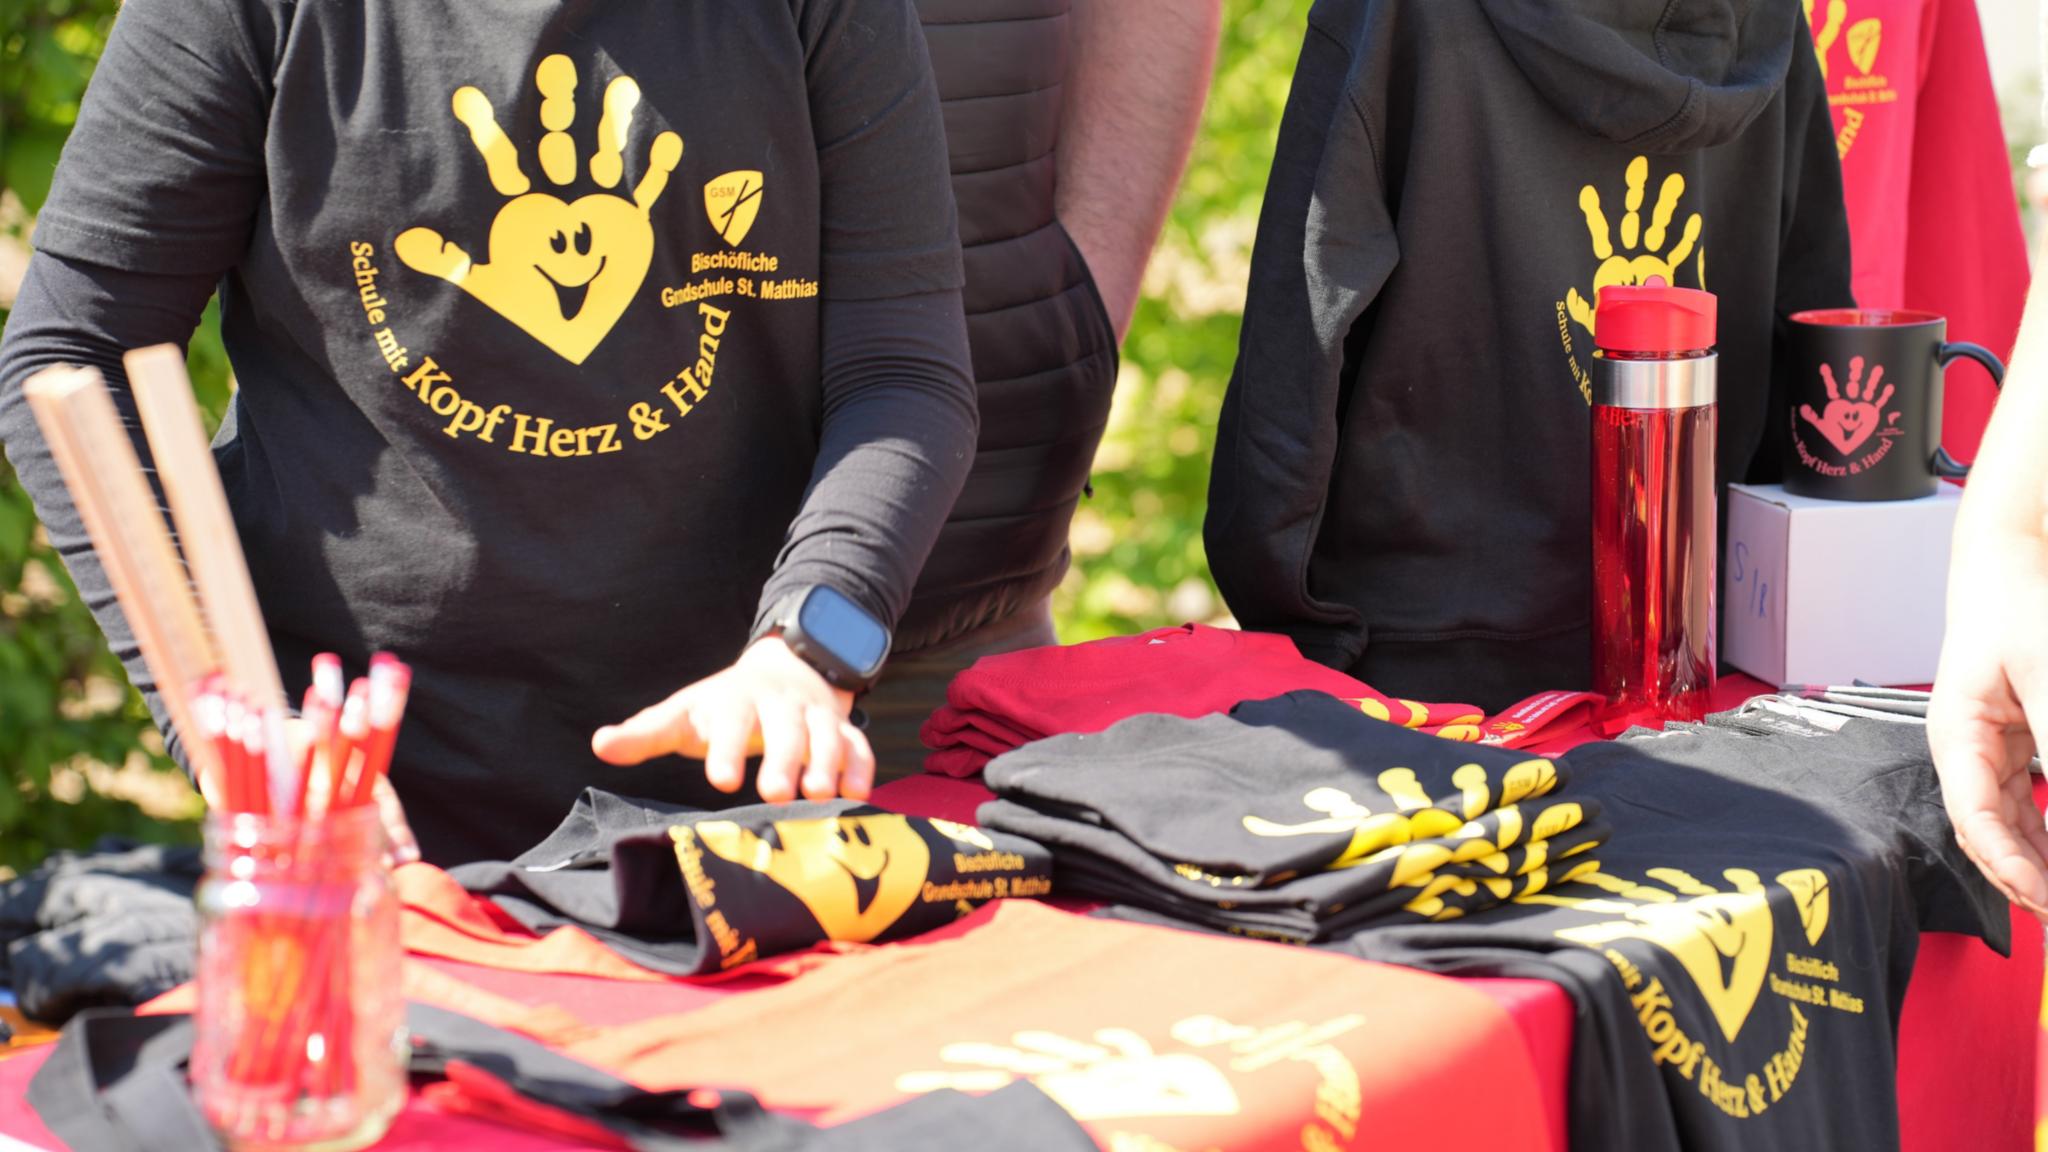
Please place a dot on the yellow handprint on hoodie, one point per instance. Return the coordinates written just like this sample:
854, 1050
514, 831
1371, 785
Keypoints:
1637, 259
563, 271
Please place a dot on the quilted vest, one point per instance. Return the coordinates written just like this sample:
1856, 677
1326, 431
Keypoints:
1045, 354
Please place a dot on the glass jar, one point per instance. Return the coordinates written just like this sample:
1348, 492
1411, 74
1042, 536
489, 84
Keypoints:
299, 1038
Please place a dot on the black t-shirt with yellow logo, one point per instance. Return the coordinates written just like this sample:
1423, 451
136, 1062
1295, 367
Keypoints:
689, 893
1298, 818
1741, 955
525, 301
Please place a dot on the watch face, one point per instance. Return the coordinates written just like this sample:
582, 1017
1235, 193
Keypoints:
837, 624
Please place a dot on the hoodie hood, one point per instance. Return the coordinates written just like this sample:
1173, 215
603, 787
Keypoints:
1668, 76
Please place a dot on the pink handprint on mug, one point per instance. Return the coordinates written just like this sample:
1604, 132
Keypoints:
1852, 412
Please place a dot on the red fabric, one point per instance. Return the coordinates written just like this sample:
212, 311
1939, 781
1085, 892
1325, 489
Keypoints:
440, 919
1968, 1038
1009, 700
1968, 1043
1971, 1034
1927, 179
1140, 1033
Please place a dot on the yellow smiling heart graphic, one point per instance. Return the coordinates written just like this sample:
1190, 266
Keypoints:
562, 270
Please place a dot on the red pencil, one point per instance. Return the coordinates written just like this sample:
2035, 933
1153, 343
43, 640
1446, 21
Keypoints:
390, 686
355, 734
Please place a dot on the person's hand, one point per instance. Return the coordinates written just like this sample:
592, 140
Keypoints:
1993, 677
769, 702
404, 849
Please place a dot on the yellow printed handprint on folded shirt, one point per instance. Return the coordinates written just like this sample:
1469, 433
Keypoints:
1640, 257
563, 271
1721, 937
1116, 1077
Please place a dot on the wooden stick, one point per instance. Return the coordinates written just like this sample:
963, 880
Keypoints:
104, 475
213, 550
184, 461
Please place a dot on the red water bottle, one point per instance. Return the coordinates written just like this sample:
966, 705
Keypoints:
1654, 536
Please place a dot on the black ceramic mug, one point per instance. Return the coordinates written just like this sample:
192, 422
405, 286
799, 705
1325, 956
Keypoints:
1866, 403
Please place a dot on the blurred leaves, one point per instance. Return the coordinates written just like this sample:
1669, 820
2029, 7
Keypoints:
1138, 559
76, 745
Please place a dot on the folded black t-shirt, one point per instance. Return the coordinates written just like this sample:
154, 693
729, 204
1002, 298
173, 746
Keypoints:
114, 926
1740, 958
689, 892
1297, 817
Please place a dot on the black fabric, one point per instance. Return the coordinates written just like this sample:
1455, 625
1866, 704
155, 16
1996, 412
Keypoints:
105, 1057
1298, 818
116, 1083
111, 927
547, 423
1739, 961
650, 1121
1045, 352
689, 892
1403, 454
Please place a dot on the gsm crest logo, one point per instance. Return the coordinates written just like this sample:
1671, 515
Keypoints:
732, 202
563, 271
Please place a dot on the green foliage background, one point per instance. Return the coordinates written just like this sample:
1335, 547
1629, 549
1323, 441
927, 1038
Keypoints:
67, 714
77, 750
1138, 543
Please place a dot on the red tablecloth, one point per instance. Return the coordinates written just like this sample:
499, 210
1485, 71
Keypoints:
1968, 1036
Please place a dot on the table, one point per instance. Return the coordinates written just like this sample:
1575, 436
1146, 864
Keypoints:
1968, 1034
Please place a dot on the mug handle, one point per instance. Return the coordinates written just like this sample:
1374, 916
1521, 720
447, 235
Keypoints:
1945, 465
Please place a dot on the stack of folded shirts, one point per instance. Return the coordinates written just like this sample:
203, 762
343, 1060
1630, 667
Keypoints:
1007, 701
1297, 818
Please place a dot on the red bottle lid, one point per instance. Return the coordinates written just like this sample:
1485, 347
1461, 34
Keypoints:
1654, 318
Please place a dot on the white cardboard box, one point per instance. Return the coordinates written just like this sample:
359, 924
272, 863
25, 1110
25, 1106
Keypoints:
1832, 591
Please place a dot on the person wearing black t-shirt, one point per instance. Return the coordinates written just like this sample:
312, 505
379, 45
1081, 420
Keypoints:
576, 344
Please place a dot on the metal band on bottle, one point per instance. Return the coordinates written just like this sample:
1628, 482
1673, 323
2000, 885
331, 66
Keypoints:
1654, 383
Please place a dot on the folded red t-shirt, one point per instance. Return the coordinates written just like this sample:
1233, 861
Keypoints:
1151, 1038
1007, 701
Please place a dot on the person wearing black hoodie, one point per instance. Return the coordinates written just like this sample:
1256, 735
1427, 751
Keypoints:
1402, 463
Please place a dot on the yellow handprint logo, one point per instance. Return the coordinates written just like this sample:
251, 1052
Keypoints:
1722, 938
857, 875
563, 271
1117, 1077
1415, 814
1851, 415
1637, 260
1824, 33
1864, 36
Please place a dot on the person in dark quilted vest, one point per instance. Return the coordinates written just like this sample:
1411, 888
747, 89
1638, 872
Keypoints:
1069, 123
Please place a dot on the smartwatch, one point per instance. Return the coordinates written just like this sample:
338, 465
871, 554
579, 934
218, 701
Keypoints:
832, 634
